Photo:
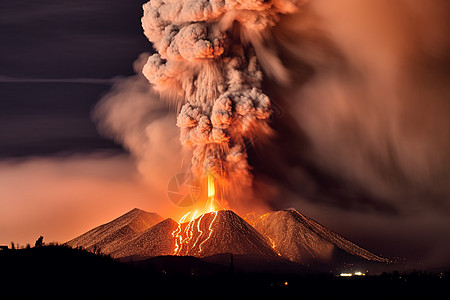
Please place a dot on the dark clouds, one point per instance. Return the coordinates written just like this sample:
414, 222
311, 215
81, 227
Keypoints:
45, 47
366, 114
69, 39
364, 141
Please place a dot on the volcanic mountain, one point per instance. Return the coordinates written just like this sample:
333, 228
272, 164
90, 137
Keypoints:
281, 235
211, 233
221, 232
155, 241
113, 235
303, 240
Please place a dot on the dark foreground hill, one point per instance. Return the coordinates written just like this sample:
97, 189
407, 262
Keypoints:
54, 269
62, 272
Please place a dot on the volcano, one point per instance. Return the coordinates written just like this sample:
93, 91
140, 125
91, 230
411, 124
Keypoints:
113, 235
303, 240
155, 241
221, 232
282, 235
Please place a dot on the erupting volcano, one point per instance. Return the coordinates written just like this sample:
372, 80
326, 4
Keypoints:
210, 60
280, 236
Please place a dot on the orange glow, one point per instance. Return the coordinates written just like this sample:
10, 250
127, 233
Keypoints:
183, 238
274, 247
200, 232
176, 235
211, 193
210, 232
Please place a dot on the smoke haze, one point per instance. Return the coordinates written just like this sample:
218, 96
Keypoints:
59, 197
370, 99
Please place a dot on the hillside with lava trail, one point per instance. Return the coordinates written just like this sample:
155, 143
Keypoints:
303, 240
220, 232
115, 234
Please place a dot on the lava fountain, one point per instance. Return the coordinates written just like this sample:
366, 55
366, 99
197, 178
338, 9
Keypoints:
184, 234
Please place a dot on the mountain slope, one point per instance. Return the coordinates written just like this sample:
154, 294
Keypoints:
113, 235
155, 241
221, 232
279, 235
303, 240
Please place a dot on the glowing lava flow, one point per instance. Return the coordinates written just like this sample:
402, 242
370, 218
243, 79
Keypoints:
184, 237
176, 235
274, 247
210, 232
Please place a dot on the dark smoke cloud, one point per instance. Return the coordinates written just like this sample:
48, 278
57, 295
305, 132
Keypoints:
363, 145
366, 111
364, 100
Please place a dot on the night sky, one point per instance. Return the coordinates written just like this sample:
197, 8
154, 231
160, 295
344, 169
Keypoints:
375, 169
58, 41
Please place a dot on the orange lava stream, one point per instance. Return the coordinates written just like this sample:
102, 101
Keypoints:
200, 232
274, 247
210, 232
184, 238
176, 235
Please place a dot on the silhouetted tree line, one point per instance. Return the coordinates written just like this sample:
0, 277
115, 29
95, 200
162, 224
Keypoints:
40, 243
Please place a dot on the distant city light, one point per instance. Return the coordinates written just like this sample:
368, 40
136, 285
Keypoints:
357, 273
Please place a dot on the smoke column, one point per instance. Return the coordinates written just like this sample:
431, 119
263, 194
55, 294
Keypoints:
363, 87
208, 59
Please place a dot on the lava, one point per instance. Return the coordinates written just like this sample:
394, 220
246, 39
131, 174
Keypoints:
176, 235
210, 232
274, 246
184, 237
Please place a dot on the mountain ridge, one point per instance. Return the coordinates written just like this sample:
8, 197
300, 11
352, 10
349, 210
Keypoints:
112, 235
304, 240
286, 234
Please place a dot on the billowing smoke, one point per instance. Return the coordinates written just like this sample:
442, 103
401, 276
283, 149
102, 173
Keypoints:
207, 59
134, 115
366, 111
364, 122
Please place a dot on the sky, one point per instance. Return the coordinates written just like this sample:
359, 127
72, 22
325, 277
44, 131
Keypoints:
361, 136
57, 60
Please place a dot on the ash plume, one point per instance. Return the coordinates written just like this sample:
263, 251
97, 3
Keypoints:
208, 59
363, 87
366, 122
